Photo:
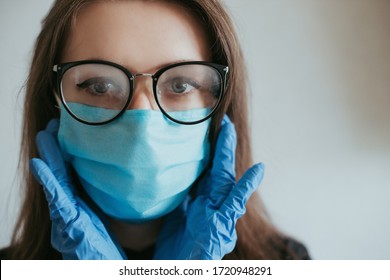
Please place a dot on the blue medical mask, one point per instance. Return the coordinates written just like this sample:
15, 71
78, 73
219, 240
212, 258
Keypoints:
138, 167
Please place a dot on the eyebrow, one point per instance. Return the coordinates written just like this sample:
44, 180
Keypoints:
172, 62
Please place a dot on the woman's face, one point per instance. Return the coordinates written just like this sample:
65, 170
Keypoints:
141, 36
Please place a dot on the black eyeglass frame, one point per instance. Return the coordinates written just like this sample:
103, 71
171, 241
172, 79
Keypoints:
61, 68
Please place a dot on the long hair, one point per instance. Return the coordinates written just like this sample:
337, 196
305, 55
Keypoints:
257, 238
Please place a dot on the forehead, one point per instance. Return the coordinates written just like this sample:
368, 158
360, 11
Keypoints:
141, 35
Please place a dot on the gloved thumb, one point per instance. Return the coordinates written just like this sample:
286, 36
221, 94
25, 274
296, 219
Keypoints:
60, 199
234, 205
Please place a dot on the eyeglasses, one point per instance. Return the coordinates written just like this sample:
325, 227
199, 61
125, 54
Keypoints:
97, 92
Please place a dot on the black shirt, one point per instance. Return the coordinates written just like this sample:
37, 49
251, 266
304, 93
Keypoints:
291, 245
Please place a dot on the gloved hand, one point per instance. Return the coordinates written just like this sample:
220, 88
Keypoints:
77, 232
204, 228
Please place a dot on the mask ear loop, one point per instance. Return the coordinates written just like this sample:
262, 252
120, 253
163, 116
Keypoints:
58, 102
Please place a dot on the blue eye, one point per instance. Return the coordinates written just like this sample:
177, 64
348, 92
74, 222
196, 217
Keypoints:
179, 87
99, 86
182, 85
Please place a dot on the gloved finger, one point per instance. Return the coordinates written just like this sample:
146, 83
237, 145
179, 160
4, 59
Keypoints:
224, 158
50, 153
60, 198
234, 205
225, 151
223, 170
53, 126
93, 217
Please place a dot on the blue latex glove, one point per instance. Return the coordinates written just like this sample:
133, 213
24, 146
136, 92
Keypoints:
204, 228
77, 232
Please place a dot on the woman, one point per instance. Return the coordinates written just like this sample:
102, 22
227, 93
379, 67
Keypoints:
141, 89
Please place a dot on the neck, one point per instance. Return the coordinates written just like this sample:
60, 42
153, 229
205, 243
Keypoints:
136, 237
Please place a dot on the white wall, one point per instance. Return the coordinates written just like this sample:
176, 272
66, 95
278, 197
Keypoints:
19, 26
320, 73
320, 76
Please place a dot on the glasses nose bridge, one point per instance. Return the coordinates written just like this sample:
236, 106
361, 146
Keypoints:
142, 75
145, 90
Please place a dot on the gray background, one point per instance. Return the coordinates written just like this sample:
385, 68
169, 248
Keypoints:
320, 113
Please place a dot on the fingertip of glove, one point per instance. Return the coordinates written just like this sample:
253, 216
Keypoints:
53, 125
34, 162
47, 146
260, 166
36, 165
46, 135
41, 135
228, 129
258, 172
42, 139
225, 120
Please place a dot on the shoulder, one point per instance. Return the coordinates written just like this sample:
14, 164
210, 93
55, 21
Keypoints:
294, 250
8, 253
4, 253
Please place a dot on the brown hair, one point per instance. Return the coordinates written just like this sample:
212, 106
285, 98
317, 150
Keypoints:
257, 238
